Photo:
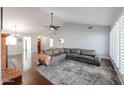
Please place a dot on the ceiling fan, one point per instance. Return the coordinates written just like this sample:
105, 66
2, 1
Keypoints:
52, 26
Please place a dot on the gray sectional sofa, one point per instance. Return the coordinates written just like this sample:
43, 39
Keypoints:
82, 55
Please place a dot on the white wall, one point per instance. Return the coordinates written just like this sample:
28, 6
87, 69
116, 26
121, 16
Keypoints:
79, 36
45, 42
18, 48
15, 49
118, 14
75, 36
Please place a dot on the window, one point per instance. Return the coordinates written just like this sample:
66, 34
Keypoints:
117, 44
121, 45
11, 40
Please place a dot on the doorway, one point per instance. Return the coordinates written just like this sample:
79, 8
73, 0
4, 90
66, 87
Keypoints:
27, 44
39, 45
27, 61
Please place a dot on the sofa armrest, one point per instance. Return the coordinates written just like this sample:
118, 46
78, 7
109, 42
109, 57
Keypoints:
97, 60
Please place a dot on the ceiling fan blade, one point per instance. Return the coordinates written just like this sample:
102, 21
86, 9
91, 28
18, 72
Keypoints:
57, 26
51, 26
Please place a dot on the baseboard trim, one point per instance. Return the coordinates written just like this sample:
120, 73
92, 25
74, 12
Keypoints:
118, 73
105, 57
19, 53
15, 54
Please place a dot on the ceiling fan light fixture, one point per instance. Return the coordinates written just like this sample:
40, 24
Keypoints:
52, 28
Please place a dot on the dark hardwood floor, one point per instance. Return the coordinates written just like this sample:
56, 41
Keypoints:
32, 77
106, 62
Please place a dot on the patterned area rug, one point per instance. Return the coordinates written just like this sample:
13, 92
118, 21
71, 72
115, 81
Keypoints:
70, 72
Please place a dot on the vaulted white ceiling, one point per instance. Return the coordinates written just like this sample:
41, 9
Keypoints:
33, 20
86, 15
28, 20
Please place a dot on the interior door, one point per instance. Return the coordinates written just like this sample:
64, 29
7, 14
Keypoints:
39, 45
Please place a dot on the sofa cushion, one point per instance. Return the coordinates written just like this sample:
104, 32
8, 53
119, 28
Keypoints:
56, 51
83, 51
61, 50
49, 52
88, 52
71, 55
91, 52
75, 51
66, 50
57, 58
85, 57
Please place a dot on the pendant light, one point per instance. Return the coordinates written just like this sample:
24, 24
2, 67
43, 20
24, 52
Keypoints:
15, 31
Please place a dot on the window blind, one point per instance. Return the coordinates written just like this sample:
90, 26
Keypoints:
121, 30
117, 44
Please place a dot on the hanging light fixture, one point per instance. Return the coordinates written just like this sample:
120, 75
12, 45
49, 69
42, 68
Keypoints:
11, 39
15, 32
